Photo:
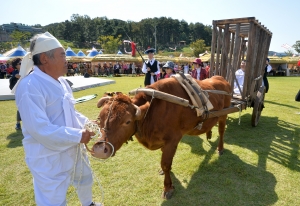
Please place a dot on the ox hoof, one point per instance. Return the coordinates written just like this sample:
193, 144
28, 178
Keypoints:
208, 135
220, 152
167, 195
161, 172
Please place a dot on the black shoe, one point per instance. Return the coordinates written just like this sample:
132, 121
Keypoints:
18, 126
96, 204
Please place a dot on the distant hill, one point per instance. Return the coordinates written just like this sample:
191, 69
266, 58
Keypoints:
279, 54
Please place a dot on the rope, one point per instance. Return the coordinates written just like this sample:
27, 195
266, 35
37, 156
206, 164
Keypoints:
80, 151
153, 91
240, 110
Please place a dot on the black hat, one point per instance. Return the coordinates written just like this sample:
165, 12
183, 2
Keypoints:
150, 50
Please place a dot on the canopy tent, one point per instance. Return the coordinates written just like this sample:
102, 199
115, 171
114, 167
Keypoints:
81, 54
119, 52
93, 52
19, 52
4, 59
100, 52
70, 53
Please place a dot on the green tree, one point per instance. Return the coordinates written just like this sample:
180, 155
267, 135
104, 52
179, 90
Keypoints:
21, 37
297, 46
198, 47
4, 47
289, 52
110, 44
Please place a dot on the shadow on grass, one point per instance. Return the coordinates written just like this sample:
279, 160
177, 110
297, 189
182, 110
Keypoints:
284, 105
273, 139
226, 181
230, 180
15, 139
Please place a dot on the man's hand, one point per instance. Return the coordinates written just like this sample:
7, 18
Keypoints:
152, 74
148, 69
86, 136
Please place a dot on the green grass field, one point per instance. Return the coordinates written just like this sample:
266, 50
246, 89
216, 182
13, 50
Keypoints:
260, 166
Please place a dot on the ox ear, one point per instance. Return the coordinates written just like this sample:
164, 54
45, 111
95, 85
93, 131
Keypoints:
102, 100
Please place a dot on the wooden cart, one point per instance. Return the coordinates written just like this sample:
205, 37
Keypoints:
234, 40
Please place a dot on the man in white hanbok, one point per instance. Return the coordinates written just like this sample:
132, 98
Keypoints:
52, 127
240, 76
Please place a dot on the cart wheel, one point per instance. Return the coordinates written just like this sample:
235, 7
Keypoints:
258, 106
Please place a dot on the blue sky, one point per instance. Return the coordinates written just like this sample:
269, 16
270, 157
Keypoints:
280, 17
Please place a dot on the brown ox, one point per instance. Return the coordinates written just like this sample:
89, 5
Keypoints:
164, 124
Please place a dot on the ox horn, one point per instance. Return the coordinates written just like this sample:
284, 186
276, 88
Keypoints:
138, 111
101, 101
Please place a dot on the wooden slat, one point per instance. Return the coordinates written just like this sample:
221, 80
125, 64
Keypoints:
241, 50
235, 54
224, 54
227, 53
213, 49
219, 46
251, 43
267, 49
258, 63
229, 76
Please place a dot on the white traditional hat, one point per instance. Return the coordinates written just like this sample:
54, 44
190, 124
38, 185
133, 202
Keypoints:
45, 42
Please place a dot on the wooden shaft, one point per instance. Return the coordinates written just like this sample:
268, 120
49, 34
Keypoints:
162, 95
225, 111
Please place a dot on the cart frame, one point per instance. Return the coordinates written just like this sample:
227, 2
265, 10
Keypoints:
228, 48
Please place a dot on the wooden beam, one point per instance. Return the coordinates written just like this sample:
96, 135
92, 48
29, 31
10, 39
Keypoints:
235, 21
243, 21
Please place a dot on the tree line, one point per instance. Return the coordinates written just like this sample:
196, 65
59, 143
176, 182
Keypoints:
85, 31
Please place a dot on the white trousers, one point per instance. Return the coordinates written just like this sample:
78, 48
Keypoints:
52, 176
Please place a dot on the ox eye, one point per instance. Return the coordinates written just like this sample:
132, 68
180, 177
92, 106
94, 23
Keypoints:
128, 122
